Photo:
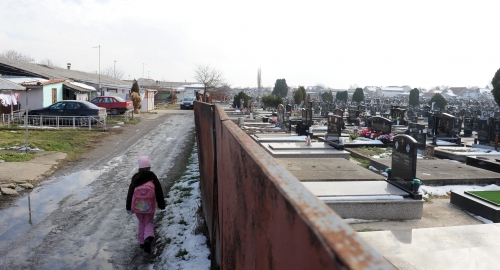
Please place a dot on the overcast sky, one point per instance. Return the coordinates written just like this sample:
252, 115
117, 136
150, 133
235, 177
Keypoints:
334, 43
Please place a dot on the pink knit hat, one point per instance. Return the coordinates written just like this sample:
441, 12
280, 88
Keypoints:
144, 162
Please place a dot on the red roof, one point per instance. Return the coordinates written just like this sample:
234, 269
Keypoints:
53, 81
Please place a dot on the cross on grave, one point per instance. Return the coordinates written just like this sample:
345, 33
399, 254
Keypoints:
404, 164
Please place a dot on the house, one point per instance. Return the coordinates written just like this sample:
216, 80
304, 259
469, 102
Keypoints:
99, 82
9, 96
371, 90
189, 90
393, 91
41, 92
148, 100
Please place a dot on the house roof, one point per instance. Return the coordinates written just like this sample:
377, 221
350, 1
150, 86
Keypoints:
20, 68
162, 84
52, 81
8, 85
459, 91
79, 87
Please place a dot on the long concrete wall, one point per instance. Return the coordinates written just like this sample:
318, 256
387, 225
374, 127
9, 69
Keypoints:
259, 215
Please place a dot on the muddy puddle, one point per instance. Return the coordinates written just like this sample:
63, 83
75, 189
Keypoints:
31, 209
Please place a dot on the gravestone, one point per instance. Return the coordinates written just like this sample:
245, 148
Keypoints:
380, 124
483, 131
338, 112
307, 117
281, 115
302, 128
468, 126
404, 164
334, 129
494, 129
457, 126
475, 124
418, 132
353, 115
398, 113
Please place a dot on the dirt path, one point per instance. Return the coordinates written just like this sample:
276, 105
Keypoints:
76, 218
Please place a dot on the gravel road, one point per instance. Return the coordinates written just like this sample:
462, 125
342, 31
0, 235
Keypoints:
76, 218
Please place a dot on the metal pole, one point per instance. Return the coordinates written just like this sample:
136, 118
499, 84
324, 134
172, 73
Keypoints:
114, 72
26, 121
99, 67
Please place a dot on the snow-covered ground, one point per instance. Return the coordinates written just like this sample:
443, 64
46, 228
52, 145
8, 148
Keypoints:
184, 248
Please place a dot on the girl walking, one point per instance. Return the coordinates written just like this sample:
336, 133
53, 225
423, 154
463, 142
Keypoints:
144, 193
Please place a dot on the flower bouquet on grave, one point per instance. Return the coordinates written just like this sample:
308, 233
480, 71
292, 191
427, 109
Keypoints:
366, 133
384, 138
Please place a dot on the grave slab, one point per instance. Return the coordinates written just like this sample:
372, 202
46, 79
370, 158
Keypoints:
327, 169
353, 188
457, 247
301, 150
445, 172
475, 206
282, 138
490, 162
370, 200
300, 145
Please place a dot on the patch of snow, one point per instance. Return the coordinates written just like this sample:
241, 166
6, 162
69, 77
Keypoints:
362, 198
355, 220
443, 190
179, 224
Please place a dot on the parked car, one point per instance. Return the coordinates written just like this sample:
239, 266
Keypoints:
187, 103
72, 108
114, 105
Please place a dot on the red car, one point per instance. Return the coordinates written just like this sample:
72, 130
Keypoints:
114, 105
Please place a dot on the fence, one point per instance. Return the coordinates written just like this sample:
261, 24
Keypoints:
55, 122
259, 216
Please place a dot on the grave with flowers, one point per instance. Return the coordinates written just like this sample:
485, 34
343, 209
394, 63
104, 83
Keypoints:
378, 128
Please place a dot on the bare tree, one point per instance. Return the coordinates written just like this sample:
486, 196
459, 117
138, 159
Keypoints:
113, 72
259, 81
15, 55
211, 78
48, 62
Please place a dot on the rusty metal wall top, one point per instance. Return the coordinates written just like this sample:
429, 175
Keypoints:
269, 220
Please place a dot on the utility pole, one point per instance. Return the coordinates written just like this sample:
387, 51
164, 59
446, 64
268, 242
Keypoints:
99, 68
114, 71
143, 70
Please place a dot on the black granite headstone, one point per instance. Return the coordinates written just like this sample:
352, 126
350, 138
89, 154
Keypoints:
404, 163
334, 129
494, 129
380, 124
418, 132
468, 125
483, 130
475, 124
444, 125
307, 117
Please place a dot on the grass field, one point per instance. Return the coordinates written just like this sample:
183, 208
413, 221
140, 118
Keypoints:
490, 195
71, 142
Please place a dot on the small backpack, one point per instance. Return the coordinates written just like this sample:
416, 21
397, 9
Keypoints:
144, 199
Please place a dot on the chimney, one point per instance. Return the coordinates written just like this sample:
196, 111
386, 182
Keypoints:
69, 66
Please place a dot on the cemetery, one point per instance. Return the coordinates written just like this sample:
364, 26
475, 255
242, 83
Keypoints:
369, 161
